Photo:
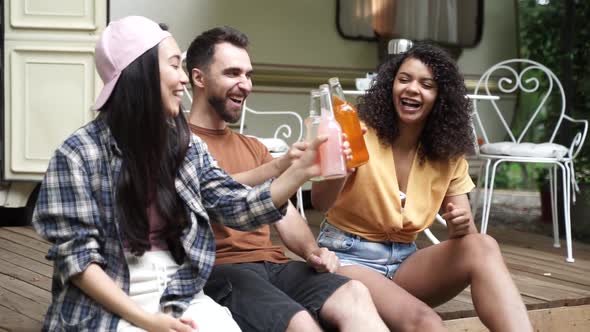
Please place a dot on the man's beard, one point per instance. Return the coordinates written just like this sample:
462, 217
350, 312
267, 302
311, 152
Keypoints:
218, 105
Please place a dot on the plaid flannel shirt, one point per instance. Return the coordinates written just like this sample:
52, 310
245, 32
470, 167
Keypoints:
76, 212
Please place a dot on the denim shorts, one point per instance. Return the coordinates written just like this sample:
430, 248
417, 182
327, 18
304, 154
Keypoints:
383, 257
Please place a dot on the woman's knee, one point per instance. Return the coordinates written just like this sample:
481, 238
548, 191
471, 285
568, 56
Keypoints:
414, 317
478, 243
480, 249
426, 320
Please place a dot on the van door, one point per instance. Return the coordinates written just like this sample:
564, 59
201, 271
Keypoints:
49, 78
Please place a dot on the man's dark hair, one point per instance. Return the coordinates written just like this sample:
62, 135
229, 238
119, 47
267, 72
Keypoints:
200, 52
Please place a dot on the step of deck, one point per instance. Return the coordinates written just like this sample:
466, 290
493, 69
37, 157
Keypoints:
562, 319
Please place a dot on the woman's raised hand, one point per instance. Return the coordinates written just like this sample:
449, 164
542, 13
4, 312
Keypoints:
458, 221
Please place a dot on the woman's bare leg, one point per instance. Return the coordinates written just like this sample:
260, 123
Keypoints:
438, 273
399, 310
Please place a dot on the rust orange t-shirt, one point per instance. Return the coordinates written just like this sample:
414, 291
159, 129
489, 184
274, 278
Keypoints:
236, 153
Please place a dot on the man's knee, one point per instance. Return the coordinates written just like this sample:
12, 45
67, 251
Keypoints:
357, 291
302, 321
350, 298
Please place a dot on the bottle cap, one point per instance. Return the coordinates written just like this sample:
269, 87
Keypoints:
398, 46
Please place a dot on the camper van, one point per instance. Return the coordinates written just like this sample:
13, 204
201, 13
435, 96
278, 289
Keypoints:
49, 82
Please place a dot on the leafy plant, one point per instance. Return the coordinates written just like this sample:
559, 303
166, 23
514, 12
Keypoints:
556, 33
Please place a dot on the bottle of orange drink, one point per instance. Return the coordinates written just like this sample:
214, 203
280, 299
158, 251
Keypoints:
332, 161
347, 116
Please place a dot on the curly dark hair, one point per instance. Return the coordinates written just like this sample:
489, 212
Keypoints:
448, 131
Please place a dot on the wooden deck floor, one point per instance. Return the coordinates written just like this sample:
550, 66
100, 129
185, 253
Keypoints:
543, 277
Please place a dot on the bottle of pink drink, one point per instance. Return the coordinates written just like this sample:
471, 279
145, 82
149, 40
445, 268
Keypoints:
332, 160
312, 123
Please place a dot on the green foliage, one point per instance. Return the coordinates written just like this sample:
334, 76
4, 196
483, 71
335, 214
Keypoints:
519, 176
583, 169
541, 40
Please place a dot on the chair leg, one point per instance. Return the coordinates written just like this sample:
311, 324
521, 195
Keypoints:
474, 199
566, 212
554, 214
484, 226
485, 197
300, 206
431, 236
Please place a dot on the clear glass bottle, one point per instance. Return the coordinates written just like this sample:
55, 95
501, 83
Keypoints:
347, 116
312, 122
332, 160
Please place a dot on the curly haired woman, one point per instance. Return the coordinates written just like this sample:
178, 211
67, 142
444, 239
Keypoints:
418, 131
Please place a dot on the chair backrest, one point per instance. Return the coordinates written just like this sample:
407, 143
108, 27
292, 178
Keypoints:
283, 131
525, 77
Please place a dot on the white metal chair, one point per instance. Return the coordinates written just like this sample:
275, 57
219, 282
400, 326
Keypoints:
525, 76
275, 143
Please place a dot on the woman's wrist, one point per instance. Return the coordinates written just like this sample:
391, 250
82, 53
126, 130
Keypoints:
141, 318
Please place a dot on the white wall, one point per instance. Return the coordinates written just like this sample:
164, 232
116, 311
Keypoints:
499, 42
499, 39
303, 33
284, 34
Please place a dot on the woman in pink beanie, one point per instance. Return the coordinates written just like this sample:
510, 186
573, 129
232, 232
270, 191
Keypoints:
126, 198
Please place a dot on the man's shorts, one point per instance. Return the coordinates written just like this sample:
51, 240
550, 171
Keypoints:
264, 296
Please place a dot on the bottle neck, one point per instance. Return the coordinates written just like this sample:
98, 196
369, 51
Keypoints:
338, 92
326, 105
314, 109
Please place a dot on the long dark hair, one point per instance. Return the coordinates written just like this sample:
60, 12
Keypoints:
153, 146
448, 132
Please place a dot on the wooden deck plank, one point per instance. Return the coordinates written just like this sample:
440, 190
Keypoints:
16, 248
553, 273
454, 309
24, 240
563, 319
562, 280
25, 262
546, 290
25, 275
13, 321
31, 292
540, 272
544, 257
26, 231
550, 263
22, 305
537, 242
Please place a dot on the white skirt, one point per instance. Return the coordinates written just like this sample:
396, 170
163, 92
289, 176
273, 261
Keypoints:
149, 275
